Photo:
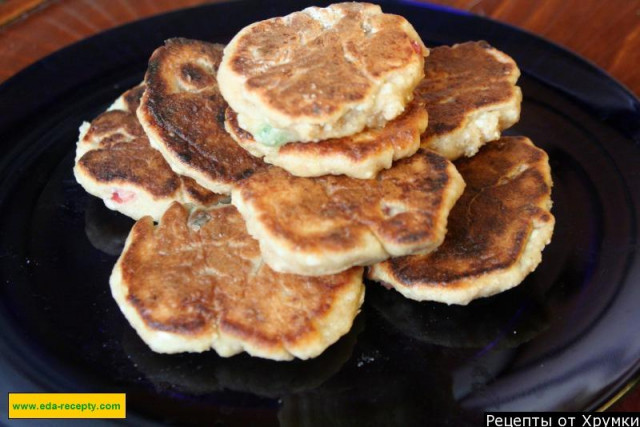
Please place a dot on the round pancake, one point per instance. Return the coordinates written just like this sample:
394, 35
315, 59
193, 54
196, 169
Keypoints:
361, 155
470, 93
182, 112
197, 281
497, 230
315, 226
321, 73
115, 162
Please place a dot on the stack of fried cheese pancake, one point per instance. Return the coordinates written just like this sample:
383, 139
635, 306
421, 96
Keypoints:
342, 144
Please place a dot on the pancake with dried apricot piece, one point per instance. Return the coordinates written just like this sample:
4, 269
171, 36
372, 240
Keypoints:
497, 230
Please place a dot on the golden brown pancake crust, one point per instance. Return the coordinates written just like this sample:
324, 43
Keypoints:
131, 98
507, 195
200, 195
321, 73
200, 275
120, 158
400, 137
301, 42
120, 153
460, 80
403, 210
183, 112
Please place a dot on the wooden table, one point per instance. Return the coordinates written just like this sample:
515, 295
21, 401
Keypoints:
605, 32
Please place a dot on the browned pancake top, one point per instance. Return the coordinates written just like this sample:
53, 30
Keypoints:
282, 58
508, 188
399, 133
183, 106
402, 205
123, 155
198, 273
198, 193
461, 79
113, 127
131, 98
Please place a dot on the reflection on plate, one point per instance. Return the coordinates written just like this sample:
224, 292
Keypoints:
107, 230
202, 373
575, 343
507, 320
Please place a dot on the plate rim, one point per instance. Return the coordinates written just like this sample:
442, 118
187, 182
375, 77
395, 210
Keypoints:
37, 69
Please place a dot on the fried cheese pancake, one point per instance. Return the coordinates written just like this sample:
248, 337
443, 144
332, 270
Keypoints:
497, 230
321, 73
115, 162
315, 226
197, 282
182, 112
361, 155
471, 95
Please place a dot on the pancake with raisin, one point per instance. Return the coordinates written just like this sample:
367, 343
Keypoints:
360, 156
323, 225
471, 95
497, 230
115, 162
321, 73
182, 113
197, 281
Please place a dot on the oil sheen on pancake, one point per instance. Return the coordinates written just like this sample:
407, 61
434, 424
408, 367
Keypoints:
315, 226
182, 112
115, 162
497, 230
361, 155
197, 282
471, 96
321, 73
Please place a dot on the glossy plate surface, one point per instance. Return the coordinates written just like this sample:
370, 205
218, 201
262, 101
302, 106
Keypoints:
566, 339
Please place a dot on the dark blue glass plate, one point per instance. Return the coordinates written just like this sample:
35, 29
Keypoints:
566, 339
